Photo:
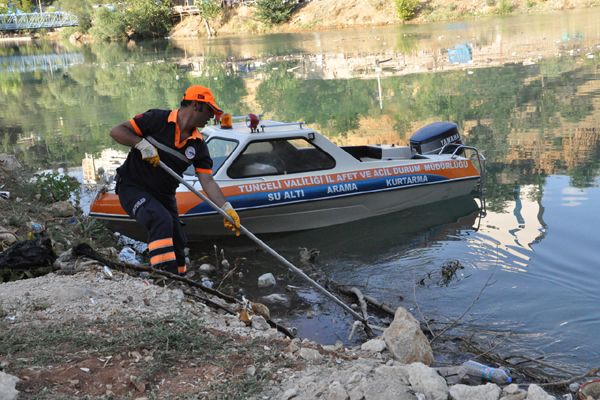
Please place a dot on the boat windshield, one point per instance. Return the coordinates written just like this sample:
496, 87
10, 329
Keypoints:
220, 149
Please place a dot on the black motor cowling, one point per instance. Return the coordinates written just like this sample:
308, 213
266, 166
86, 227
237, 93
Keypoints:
431, 138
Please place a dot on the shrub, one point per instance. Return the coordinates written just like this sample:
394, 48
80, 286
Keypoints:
53, 186
209, 9
406, 8
274, 11
108, 25
504, 7
82, 9
148, 18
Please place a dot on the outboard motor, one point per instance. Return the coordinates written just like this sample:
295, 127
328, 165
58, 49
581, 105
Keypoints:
431, 138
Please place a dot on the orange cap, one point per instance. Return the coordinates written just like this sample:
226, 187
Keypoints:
202, 94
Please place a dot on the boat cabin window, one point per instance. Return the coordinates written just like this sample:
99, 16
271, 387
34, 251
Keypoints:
220, 149
278, 157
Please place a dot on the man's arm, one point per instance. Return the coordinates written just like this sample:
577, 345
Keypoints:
216, 195
125, 134
212, 189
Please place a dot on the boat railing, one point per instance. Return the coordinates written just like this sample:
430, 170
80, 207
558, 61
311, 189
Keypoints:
279, 124
480, 160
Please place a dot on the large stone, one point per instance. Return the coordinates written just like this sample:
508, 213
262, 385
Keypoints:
336, 392
62, 209
310, 354
490, 391
260, 323
266, 280
534, 392
373, 346
8, 162
276, 299
406, 341
427, 381
7, 386
517, 396
388, 383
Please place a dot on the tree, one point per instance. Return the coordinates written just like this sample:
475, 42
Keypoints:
148, 18
82, 9
274, 11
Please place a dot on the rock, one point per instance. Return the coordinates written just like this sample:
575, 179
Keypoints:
207, 268
276, 299
289, 394
373, 345
7, 386
427, 381
251, 370
336, 392
7, 237
260, 323
517, 396
62, 209
534, 392
406, 341
388, 383
8, 162
266, 280
261, 309
513, 388
490, 391
309, 354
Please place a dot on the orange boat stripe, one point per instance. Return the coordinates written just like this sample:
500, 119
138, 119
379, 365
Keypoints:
136, 128
160, 243
161, 258
450, 169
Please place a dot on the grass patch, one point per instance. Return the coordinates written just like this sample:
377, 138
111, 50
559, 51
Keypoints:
173, 342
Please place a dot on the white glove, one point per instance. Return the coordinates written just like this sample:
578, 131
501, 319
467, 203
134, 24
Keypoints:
149, 152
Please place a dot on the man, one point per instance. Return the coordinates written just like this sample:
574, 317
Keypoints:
147, 193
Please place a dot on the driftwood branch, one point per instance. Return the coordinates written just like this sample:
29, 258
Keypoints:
591, 373
457, 320
361, 301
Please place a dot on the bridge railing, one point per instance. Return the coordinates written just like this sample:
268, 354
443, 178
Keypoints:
15, 22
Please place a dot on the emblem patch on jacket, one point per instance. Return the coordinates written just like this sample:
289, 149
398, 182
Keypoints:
190, 152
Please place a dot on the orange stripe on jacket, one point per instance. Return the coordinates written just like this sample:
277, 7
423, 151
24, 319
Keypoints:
204, 171
135, 127
182, 269
161, 258
160, 243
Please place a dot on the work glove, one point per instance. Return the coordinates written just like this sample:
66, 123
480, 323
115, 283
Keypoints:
234, 216
149, 152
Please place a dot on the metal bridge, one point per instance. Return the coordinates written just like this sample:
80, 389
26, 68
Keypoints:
17, 22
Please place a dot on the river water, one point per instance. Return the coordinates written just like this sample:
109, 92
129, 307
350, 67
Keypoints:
524, 90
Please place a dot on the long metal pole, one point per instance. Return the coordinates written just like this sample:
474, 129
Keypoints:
265, 247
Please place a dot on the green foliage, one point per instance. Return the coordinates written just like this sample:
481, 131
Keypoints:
530, 3
505, 7
490, 3
406, 8
148, 18
24, 5
274, 11
209, 9
53, 186
108, 25
82, 9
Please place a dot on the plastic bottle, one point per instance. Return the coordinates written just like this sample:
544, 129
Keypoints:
496, 375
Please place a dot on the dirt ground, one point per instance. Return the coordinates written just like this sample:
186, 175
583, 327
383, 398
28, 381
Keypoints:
330, 14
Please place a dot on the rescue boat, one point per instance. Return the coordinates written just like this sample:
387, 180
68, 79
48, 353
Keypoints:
283, 176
